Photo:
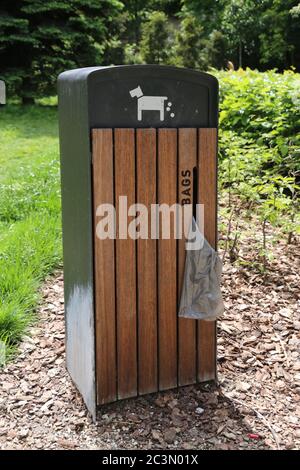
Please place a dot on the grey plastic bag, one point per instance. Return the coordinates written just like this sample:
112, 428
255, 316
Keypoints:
201, 296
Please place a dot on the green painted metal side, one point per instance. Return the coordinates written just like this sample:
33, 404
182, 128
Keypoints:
77, 233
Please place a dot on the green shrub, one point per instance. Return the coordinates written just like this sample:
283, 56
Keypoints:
259, 146
264, 109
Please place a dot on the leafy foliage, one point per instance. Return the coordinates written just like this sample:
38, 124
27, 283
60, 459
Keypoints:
259, 33
155, 35
240, 22
41, 39
280, 37
263, 108
260, 146
189, 44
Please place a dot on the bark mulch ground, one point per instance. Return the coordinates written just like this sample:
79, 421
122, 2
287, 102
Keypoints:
255, 405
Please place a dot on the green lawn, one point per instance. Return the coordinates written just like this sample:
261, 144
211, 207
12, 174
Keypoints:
30, 225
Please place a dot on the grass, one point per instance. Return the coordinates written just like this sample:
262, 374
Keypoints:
30, 225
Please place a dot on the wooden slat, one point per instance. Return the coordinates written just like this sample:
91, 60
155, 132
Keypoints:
167, 275
187, 156
104, 271
125, 268
146, 265
207, 195
119, 264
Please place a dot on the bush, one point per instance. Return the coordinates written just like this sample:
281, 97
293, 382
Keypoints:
259, 143
261, 111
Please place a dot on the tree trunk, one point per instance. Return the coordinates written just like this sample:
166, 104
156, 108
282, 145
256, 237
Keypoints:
240, 54
136, 23
264, 226
27, 100
27, 91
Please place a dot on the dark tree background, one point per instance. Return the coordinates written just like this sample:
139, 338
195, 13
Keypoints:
39, 39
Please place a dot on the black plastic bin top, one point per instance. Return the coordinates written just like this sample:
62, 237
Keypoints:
112, 100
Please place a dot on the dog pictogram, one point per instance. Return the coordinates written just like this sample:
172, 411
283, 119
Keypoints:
150, 103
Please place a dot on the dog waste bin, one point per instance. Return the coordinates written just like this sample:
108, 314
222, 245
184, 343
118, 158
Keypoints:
133, 134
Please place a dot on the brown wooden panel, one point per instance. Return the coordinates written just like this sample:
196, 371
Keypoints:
187, 156
167, 275
207, 195
146, 265
104, 271
125, 267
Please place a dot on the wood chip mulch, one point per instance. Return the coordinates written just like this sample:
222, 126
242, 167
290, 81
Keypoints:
255, 406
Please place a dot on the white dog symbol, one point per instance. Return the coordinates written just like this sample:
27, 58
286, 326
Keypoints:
148, 103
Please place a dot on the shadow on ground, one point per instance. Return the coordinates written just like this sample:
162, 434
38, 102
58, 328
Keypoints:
193, 417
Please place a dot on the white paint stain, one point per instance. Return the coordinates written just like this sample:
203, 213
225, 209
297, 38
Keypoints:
80, 343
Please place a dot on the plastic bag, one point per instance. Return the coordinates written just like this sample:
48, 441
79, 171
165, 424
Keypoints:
201, 296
